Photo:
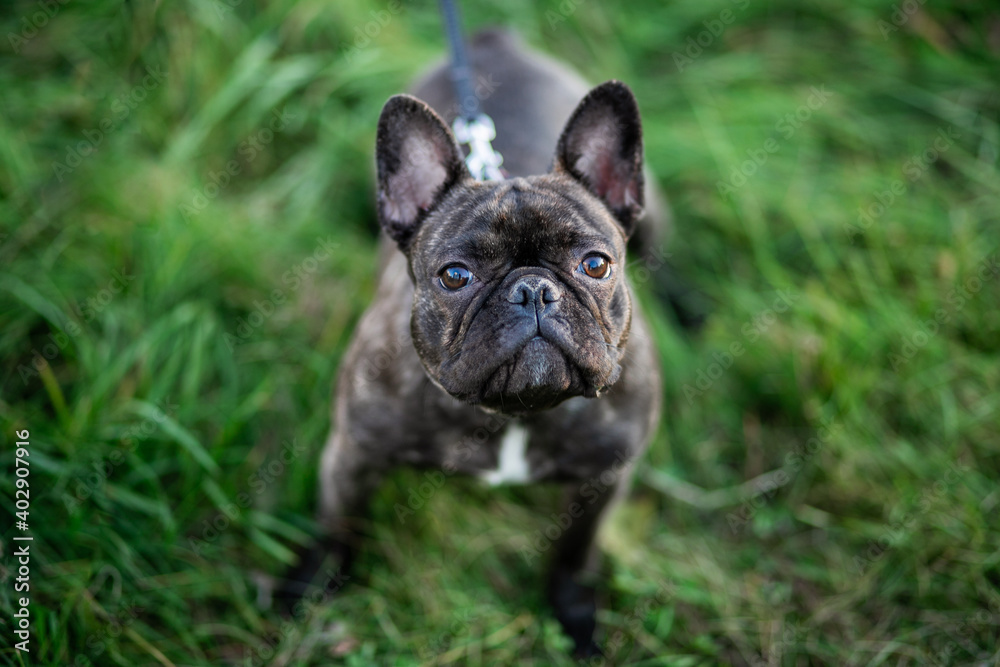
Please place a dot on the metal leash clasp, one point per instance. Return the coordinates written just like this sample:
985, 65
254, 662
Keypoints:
483, 162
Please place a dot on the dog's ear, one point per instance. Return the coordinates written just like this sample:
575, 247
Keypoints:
601, 147
418, 162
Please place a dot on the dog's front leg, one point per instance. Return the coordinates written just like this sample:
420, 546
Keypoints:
571, 586
346, 481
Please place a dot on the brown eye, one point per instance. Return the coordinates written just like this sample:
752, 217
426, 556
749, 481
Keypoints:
455, 277
595, 266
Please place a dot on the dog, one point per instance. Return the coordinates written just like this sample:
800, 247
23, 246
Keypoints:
504, 341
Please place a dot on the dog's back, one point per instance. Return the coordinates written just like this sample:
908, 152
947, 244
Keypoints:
528, 95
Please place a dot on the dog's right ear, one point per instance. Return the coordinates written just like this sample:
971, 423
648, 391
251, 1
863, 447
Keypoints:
418, 162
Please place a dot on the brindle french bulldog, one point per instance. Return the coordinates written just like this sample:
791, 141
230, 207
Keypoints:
504, 341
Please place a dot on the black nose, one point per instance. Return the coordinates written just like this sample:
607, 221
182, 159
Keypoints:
534, 292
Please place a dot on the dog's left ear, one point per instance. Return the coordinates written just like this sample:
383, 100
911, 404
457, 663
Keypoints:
601, 147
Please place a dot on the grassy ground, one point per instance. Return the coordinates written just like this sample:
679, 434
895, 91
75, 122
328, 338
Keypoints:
187, 241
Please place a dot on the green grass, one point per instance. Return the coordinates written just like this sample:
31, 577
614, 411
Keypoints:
163, 352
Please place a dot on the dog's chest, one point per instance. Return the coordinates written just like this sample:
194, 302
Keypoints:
513, 466
567, 444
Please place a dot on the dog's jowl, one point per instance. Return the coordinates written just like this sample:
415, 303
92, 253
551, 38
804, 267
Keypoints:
503, 341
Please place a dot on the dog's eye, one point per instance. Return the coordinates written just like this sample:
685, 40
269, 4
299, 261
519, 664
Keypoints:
595, 266
455, 277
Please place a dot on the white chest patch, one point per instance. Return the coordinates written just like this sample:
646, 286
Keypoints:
513, 467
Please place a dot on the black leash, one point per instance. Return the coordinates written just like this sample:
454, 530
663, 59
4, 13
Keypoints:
471, 127
461, 73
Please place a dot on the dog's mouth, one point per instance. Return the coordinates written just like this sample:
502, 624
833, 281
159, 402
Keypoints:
539, 375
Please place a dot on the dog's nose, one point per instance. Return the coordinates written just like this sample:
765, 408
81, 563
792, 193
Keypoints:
534, 292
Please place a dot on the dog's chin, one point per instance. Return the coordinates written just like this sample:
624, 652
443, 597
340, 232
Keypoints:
538, 377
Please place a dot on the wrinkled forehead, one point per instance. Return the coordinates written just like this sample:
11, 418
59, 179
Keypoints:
521, 220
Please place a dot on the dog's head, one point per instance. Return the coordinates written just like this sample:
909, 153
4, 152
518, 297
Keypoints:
520, 299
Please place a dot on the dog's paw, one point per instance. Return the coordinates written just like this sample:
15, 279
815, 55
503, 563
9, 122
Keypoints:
575, 607
321, 571
588, 651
